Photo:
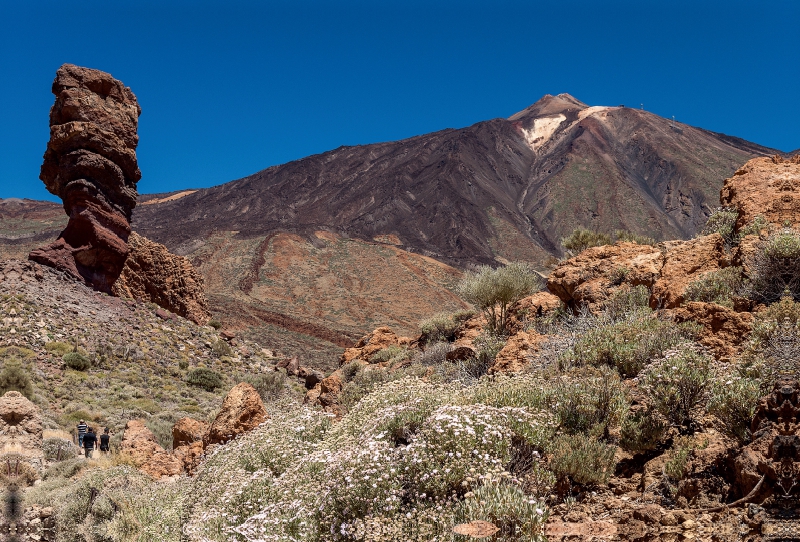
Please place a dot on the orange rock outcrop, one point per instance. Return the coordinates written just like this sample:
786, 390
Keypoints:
769, 187
152, 273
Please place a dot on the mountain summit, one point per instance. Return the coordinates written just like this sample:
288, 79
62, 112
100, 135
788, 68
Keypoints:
498, 190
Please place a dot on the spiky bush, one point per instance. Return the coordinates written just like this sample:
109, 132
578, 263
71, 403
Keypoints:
627, 344
642, 431
14, 377
719, 286
733, 401
723, 222
581, 238
583, 459
77, 361
506, 506
679, 384
494, 291
442, 327
590, 405
775, 268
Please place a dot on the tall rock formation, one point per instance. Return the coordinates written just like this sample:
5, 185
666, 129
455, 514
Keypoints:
90, 163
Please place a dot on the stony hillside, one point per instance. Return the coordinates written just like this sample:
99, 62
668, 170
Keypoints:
650, 394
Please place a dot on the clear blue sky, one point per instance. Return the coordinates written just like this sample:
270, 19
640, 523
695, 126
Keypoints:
228, 88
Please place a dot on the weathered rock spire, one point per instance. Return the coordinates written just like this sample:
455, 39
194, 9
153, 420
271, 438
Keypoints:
90, 163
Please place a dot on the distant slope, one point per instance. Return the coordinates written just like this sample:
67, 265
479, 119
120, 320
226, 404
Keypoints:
497, 190
27, 224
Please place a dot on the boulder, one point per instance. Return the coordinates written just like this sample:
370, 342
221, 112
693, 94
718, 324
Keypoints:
188, 430
153, 274
592, 276
370, 344
769, 187
189, 456
147, 454
685, 262
242, 411
513, 357
90, 163
725, 330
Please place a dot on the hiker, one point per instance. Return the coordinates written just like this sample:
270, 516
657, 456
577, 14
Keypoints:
82, 427
89, 440
105, 439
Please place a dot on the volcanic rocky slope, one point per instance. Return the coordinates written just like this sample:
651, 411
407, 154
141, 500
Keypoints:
504, 188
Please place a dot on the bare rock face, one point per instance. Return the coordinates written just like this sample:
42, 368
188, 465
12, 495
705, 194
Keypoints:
90, 163
20, 425
370, 344
139, 443
769, 187
593, 275
513, 357
242, 411
153, 274
726, 330
684, 262
187, 431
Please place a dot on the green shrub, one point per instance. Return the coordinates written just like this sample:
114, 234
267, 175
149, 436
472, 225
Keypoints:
642, 431
754, 227
675, 467
723, 222
161, 427
733, 402
58, 449
58, 348
391, 354
183, 365
582, 458
221, 349
14, 377
626, 345
205, 378
494, 291
350, 370
627, 300
626, 236
363, 382
216, 324
77, 361
718, 287
442, 327
591, 405
776, 267
269, 386
678, 385
581, 239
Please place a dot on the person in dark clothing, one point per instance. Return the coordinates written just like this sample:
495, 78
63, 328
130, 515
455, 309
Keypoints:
89, 441
105, 439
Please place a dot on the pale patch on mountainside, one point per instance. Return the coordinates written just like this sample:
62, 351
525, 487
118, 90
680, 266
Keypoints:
543, 129
173, 197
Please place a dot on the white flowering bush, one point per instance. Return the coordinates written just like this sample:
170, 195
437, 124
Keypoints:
506, 505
